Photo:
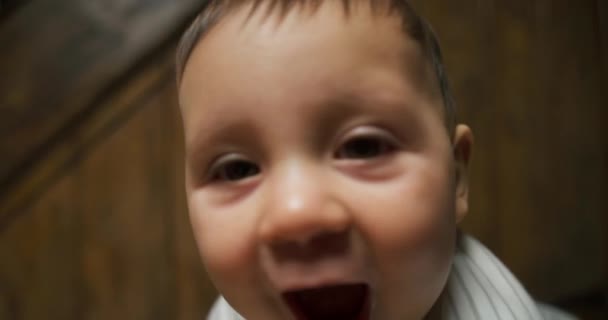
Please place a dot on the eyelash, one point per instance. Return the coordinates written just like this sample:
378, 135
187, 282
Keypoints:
221, 172
376, 147
380, 146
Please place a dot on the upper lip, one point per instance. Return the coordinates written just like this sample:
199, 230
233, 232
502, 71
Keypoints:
318, 282
297, 276
323, 278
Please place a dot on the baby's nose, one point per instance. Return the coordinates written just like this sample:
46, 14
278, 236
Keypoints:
303, 211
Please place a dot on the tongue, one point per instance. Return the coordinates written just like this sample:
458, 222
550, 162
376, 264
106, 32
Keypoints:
344, 302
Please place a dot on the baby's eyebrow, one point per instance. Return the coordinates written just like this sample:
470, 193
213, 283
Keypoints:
215, 132
374, 101
195, 153
237, 129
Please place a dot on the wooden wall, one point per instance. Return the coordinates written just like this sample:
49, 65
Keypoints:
528, 77
92, 213
93, 223
109, 239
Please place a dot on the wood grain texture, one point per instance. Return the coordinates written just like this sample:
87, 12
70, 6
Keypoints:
81, 136
601, 23
527, 77
60, 55
40, 274
110, 238
131, 252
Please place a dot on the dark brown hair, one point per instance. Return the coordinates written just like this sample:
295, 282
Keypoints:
413, 24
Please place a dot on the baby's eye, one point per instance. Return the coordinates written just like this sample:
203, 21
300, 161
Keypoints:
234, 170
365, 147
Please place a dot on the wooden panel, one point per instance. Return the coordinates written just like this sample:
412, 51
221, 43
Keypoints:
60, 55
527, 78
40, 272
111, 239
131, 252
127, 235
601, 24
81, 135
554, 142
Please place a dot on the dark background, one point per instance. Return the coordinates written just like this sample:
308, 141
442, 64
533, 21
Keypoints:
93, 222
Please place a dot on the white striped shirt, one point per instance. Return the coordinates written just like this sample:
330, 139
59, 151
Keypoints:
479, 288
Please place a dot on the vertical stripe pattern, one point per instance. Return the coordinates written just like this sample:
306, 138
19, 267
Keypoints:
479, 288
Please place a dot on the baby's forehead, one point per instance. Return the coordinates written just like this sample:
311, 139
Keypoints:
270, 16
250, 46
286, 62
266, 16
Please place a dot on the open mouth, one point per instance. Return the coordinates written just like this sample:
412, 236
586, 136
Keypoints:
338, 302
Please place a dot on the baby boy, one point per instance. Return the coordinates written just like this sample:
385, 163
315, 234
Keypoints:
325, 171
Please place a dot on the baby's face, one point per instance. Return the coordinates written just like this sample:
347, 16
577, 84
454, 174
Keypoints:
316, 159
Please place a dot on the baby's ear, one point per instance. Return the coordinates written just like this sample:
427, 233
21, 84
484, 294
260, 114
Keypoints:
462, 148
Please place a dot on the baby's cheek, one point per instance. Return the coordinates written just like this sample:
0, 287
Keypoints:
410, 234
223, 239
406, 214
410, 230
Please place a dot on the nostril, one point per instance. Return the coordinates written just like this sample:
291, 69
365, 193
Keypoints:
331, 242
